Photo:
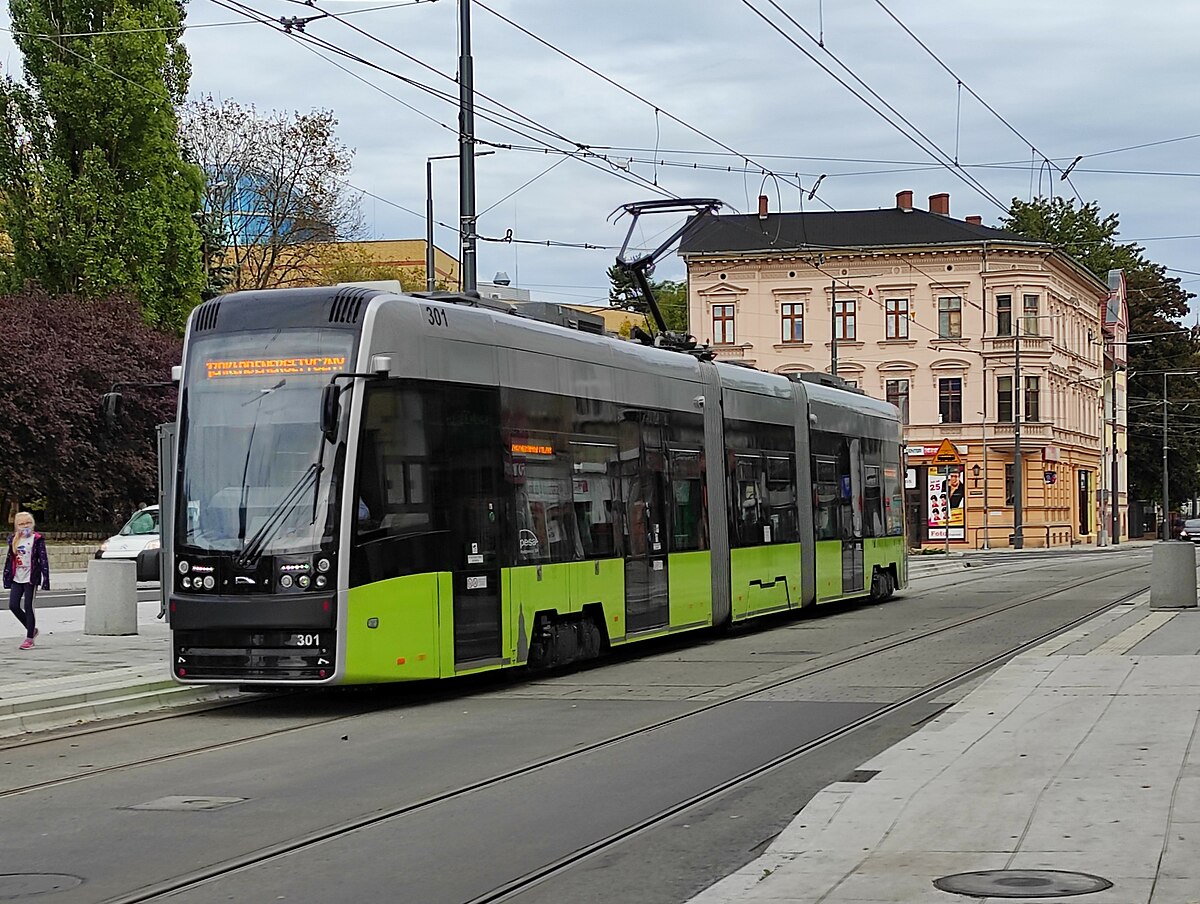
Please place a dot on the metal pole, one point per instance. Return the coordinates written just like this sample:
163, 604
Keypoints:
429, 276
983, 433
1102, 529
466, 146
833, 333
1114, 498
1018, 391
1166, 488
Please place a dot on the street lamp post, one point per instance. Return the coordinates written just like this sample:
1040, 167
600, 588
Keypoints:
1018, 390
430, 277
1166, 488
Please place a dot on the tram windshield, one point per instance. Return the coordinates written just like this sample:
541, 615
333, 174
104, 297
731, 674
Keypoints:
254, 478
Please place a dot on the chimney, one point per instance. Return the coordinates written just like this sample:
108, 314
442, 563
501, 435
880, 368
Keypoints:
762, 207
975, 221
904, 200
940, 204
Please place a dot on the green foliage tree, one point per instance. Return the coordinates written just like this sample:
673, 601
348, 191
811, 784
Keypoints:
96, 195
1157, 303
670, 295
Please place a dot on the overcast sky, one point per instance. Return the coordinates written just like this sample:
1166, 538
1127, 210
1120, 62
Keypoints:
1076, 77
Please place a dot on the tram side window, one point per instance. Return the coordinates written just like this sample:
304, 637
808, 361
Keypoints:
873, 502
751, 525
827, 507
596, 492
893, 491
545, 509
689, 502
781, 498
392, 465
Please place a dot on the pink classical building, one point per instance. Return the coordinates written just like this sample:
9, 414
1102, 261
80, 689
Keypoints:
980, 337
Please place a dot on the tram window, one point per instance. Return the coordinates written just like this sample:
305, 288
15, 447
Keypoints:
781, 499
893, 501
751, 524
545, 508
595, 491
873, 503
689, 502
827, 507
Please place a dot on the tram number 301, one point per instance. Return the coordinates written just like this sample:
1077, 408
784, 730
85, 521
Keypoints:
304, 640
436, 316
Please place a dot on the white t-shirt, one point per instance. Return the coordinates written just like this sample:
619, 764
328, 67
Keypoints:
24, 548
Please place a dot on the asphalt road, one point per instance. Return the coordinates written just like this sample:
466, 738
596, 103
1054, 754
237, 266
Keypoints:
296, 765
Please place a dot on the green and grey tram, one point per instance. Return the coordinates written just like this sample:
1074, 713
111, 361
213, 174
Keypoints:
372, 487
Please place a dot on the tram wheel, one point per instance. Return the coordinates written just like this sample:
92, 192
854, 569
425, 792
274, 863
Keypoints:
880, 585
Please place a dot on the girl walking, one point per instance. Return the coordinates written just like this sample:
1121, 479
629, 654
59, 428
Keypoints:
26, 567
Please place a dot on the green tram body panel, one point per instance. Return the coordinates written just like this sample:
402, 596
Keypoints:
829, 570
690, 589
406, 642
765, 579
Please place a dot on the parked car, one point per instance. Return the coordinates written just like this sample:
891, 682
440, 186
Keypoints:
1190, 530
138, 541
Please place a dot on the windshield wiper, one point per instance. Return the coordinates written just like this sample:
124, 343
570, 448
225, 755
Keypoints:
262, 394
252, 551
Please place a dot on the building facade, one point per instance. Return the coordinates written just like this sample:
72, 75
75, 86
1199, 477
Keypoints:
981, 337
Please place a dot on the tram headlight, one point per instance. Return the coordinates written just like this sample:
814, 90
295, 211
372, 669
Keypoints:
209, 582
323, 565
183, 566
185, 582
322, 580
286, 581
303, 581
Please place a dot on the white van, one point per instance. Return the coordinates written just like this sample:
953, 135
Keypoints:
140, 534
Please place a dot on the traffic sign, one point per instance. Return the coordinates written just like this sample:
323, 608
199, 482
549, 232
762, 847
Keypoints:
947, 454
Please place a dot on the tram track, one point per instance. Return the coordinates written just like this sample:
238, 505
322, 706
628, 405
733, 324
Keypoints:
840, 661
344, 829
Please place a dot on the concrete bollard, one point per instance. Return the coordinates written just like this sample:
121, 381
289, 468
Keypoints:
110, 606
1173, 575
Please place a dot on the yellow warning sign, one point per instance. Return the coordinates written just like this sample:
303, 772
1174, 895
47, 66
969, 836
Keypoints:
947, 454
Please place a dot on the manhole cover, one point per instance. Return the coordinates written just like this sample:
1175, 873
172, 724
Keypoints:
1021, 883
180, 802
26, 885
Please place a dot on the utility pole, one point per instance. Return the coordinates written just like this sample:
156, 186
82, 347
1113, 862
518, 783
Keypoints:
1114, 510
466, 147
1018, 391
429, 275
833, 334
1166, 488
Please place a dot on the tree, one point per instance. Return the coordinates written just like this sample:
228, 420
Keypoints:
670, 296
65, 352
97, 196
1157, 302
275, 188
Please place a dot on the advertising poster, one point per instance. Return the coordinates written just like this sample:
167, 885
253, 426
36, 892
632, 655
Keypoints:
946, 496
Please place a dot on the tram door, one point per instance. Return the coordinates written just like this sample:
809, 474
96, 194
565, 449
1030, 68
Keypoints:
644, 479
853, 577
468, 469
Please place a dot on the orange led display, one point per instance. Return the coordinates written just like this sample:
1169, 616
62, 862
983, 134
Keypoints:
532, 449
273, 367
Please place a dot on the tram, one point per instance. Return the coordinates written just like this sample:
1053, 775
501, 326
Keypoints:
367, 486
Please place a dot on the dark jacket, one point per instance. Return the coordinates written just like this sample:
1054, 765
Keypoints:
39, 568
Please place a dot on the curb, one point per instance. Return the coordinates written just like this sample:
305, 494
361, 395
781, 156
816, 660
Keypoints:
46, 711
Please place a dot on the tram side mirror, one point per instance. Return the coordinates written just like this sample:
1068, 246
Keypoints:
330, 396
111, 405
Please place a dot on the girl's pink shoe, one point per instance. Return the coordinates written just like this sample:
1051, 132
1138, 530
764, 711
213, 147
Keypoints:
26, 644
